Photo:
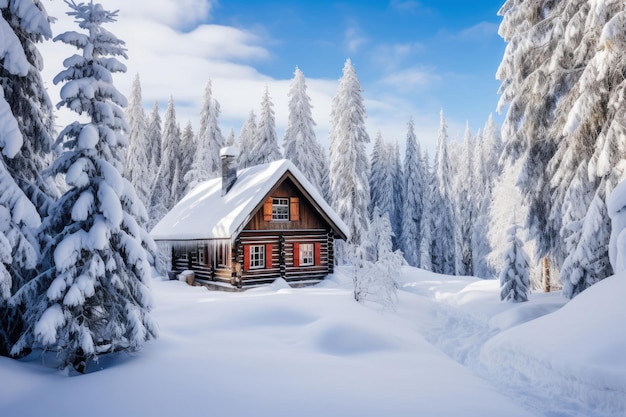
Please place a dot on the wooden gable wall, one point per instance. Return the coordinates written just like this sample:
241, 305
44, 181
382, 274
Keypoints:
307, 216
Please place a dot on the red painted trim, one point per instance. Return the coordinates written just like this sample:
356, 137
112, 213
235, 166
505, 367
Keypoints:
318, 253
268, 255
246, 257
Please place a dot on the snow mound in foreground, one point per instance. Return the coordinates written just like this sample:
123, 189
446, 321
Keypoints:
575, 353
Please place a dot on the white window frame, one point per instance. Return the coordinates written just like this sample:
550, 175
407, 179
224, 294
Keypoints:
257, 256
307, 254
201, 254
280, 209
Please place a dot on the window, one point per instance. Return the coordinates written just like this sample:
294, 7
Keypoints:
280, 209
306, 254
201, 252
222, 251
257, 256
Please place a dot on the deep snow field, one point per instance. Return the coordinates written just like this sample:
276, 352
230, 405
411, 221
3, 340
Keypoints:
449, 348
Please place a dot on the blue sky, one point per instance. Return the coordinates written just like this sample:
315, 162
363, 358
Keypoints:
413, 58
442, 53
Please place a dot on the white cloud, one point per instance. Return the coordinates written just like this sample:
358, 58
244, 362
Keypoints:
354, 39
178, 14
479, 31
413, 78
178, 63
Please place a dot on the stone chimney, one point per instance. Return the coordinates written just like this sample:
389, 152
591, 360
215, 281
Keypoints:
229, 156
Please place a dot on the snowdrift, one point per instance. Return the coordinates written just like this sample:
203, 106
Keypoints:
450, 348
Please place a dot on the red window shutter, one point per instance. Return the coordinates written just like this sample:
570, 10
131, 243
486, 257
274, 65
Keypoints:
318, 253
268, 255
294, 209
296, 254
267, 209
246, 257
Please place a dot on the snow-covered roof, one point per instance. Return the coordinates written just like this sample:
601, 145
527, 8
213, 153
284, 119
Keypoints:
205, 214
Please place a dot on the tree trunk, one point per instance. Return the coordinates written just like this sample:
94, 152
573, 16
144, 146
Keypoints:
546, 274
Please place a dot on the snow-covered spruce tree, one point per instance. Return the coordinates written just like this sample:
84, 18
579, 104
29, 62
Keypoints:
427, 220
413, 205
300, 143
325, 170
25, 109
375, 278
19, 249
92, 296
539, 69
381, 177
265, 146
166, 184
594, 133
506, 205
349, 165
24, 24
206, 160
465, 204
589, 263
531, 90
188, 150
481, 191
514, 278
398, 194
492, 150
230, 139
137, 167
154, 135
443, 249
245, 141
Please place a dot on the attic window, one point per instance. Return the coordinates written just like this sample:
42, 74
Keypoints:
280, 209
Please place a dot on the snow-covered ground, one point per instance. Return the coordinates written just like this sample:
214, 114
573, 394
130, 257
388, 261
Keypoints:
450, 348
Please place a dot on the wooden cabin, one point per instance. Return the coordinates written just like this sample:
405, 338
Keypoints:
250, 227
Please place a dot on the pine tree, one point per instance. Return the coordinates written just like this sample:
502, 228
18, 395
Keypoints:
375, 278
398, 195
482, 192
167, 182
92, 297
19, 251
24, 24
206, 159
155, 137
265, 147
349, 166
465, 205
325, 175
138, 156
25, 145
514, 278
186, 156
427, 221
381, 178
538, 72
230, 140
594, 133
246, 140
413, 205
300, 143
444, 251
